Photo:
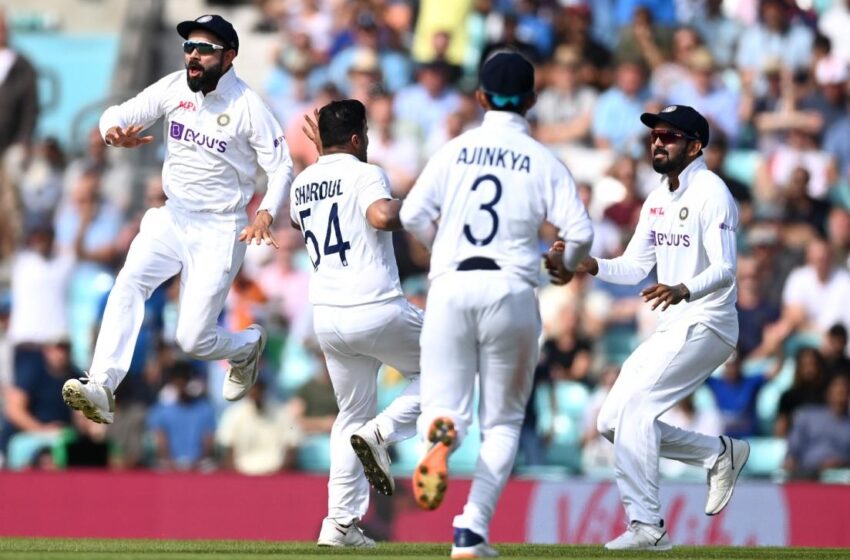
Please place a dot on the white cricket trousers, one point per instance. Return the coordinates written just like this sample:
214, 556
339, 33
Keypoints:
356, 340
204, 249
663, 370
484, 322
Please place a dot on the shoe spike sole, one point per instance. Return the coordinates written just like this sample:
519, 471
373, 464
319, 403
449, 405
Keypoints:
430, 479
374, 474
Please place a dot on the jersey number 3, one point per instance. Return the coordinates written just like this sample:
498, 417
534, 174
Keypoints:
340, 246
489, 208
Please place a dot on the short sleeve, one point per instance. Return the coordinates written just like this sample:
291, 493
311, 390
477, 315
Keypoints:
372, 185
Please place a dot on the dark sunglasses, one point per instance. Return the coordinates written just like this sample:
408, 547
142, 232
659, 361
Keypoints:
202, 47
668, 136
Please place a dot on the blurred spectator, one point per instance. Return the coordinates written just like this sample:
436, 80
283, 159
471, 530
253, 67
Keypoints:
41, 185
301, 149
572, 29
597, 452
88, 226
293, 79
837, 144
616, 116
838, 227
534, 27
41, 278
395, 67
773, 262
641, 38
715, 159
774, 36
624, 213
754, 311
834, 23
314, 407
115, 179
705, 91
806, 389
33, 401
455, 19
283, 282
183, 423
245, 303
829, 99
662, 11
670, 70
735, 395
18, 94
833, 349
565, 107
396, 153
258, 436
566, 356
687, 416
815, 296
607, 239
316, 23
801, 212
510, 40
429, 101
719, 32
800, 150
364, 76
820, 437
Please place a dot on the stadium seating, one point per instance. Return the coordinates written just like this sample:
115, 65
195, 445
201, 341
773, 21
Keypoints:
766, 457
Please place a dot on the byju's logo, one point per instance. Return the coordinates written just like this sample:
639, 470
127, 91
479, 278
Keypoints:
176, 130
182, 133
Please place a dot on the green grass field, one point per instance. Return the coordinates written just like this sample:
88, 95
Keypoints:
84, 549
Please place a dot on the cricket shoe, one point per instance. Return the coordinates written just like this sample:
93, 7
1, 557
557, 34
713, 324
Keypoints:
468, 544
724, 474
642, 536
430, 478
336, 534
242, 375
91, 398
371, 449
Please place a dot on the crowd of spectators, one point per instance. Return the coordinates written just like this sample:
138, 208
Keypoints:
771, 76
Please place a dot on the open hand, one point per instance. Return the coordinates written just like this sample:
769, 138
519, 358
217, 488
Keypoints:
127, 137
311, 130
661, 294
259, 231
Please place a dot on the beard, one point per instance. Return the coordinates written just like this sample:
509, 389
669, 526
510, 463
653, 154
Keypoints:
666, 164
206, 80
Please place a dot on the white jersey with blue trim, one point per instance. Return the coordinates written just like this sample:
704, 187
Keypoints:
689, 234
214, 143
490, 189
354, 263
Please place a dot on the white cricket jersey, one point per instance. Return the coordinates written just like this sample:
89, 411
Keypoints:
353, 262
213, 143
490, 189
689, 234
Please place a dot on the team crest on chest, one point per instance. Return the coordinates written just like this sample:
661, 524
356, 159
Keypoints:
683, 213
223, 119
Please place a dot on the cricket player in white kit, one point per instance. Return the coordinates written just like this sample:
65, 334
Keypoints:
687, 230
344, 209
490, 189
217, 132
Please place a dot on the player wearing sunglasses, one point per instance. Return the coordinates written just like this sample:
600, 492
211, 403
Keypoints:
217, 131
687, 231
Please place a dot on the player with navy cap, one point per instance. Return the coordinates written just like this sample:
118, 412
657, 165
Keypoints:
217, 131
479, 204
686, 231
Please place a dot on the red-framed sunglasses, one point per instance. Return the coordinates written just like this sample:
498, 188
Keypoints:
668, 136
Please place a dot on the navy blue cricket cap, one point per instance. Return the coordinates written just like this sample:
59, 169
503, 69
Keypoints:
508, 76
685, 118
216, 25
